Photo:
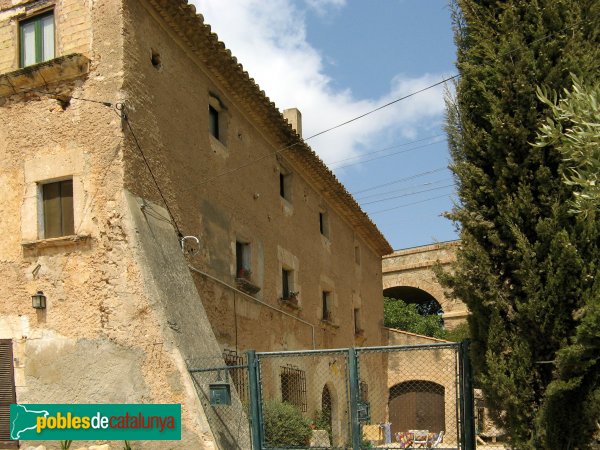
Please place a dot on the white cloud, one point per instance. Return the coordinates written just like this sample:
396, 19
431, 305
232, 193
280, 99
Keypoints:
269, 39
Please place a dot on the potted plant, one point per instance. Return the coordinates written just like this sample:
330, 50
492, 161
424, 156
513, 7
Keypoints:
291, 298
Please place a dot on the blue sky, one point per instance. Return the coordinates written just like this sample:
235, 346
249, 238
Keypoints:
337, 59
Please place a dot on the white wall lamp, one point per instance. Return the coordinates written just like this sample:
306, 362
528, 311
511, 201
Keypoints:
38, 301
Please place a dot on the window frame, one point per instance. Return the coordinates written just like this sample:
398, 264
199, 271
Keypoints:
67, 224
243, 259
213, 122
287, 283
38, 36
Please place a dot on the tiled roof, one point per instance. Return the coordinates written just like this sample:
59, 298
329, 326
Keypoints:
224, 67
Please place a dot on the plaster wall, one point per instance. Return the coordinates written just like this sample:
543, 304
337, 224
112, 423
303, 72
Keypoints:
243, 205
104, 335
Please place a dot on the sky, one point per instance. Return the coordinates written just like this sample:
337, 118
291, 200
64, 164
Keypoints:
338, 59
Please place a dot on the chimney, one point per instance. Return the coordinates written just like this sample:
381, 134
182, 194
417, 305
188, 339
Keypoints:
294, 118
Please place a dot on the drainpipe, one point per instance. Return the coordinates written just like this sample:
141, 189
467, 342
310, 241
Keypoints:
312, 327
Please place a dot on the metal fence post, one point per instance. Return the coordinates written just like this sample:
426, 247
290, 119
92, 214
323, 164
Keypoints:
353, 382
467, 398
254, 394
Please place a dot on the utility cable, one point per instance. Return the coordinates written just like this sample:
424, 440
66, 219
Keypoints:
409, 204
385, 156
400, 180
407, 195
429, 183
125, 117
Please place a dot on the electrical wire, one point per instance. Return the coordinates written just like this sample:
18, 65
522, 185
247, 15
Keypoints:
125, 117
400, 180
409, 204
408, 195
429, 183
385, 156
404, 144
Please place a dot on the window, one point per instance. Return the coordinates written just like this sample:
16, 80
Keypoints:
357, 327
7, 392
237, 374
293, 386
357, 254
243, 261
58, 209
287, 281
324, 224
326, 301
37, 39
213, 121
285, 185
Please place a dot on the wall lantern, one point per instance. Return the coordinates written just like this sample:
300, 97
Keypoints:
38, 301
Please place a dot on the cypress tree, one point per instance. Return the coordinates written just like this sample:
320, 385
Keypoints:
527, 266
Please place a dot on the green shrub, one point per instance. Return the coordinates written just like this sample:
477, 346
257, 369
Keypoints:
323, 422
285, 425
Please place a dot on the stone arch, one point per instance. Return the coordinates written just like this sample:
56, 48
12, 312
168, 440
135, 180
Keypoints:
410, 294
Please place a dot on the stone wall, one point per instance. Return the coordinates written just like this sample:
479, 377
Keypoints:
413, 267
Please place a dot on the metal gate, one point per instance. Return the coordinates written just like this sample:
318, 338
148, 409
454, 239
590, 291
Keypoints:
417, 396
371, 397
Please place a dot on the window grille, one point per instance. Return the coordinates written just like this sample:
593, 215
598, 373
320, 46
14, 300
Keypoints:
238, 375
293, 386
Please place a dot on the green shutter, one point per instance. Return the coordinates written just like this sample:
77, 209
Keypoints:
7, 392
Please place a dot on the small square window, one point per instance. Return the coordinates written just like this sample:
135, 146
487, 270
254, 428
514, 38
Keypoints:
37, 39
57, 199
326, 306
213, 121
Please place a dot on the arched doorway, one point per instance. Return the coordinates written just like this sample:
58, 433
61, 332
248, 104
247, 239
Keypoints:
326, 418
417, 405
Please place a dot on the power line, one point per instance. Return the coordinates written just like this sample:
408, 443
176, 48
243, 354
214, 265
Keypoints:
400, 180
409, 204
125, 117
429, 183
385, 156
382, 107
408, 195
404, 144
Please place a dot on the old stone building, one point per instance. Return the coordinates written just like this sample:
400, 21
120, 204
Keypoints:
165, 211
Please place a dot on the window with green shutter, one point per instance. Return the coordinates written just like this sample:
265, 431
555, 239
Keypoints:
7, 392
58, 209
37, 39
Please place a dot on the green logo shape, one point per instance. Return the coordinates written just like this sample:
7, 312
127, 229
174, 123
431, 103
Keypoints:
95, 422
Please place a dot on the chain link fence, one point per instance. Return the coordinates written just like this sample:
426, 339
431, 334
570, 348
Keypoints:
412, 397
223, 388
305, 402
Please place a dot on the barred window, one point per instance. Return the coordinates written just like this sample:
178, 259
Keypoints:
238, 375
293, 386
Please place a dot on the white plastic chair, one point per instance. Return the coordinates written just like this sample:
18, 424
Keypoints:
419, 437
436, 443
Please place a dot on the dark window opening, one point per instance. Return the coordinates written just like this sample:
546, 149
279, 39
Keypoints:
285, 185
326, 305
293, 387
324, 224
286, 283
213, 121
242, 260
357, 327
58, 209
